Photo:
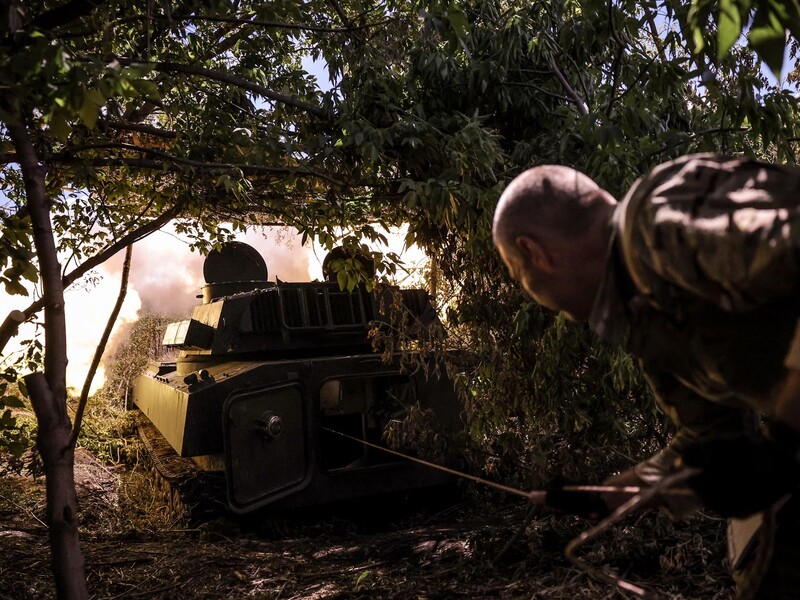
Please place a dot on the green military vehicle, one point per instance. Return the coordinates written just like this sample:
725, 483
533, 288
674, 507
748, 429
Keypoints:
274, 385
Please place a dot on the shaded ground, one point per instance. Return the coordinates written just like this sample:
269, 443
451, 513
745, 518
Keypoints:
473, 549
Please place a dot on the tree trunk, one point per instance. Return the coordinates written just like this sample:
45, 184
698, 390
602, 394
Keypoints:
53, 443
48, 392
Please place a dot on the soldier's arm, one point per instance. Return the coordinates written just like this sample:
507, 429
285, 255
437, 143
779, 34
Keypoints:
697, 420
787, 403
741, 470
726, 231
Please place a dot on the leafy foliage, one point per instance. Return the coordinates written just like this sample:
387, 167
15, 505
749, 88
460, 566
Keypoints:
142, 345
766, 24
15, 433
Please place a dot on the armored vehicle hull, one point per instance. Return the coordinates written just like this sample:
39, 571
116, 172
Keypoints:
271, 392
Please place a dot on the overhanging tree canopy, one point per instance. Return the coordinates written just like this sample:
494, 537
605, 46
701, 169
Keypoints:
120, 116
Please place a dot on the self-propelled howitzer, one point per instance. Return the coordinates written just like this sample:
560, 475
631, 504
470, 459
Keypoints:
245, 416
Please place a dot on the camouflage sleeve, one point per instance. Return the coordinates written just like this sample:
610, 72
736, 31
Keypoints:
725, 230
792, 360
696, 417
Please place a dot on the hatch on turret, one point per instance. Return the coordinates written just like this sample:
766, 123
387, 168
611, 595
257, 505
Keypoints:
235, 267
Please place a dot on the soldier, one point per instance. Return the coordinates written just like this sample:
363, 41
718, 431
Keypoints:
697, 273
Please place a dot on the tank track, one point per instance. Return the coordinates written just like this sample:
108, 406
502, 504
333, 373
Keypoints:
190, 496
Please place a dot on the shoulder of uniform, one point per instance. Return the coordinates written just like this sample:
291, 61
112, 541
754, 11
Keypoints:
665, 184
670, 172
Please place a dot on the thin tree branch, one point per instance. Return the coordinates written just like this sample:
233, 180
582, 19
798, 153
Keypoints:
195, 164
101, 347
171, 67
10, 325
160, 165
230, 39
651, 23
139, 127
571, 93
723, 130
616, 69
641, 74
579, 72
693, 136
244, 22
537, 88
293, 26
340, 11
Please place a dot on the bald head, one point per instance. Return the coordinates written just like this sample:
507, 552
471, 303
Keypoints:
549, 201
552, 227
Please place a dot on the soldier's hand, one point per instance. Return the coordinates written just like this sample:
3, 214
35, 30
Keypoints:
589, 505
626, 479
741, 475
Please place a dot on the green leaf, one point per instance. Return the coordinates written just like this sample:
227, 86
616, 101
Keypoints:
12, 402
30, 272
59, 126
7, 420
17, 449
90, 108
362, 576
729, 28
768, 39
146, 88
791, 16
458, 22
15, 288
695, 18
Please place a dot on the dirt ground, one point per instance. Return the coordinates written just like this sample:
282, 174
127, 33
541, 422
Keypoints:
476, 548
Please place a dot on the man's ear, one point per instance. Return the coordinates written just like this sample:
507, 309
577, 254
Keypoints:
535, 252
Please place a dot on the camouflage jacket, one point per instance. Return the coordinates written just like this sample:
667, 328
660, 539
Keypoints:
703, 285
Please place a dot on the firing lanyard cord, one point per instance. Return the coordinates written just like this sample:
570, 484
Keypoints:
639, 498
536, 496
634, 503
492, 484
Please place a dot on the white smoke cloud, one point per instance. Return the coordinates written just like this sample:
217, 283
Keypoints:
287, 259
167, 277
87, 311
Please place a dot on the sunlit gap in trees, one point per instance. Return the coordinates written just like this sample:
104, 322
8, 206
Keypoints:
704, 76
